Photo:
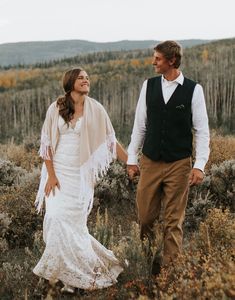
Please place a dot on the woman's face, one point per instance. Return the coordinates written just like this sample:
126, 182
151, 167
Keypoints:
82, 83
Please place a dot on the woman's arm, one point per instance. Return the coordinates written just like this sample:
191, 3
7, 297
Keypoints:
52, 180
121, 152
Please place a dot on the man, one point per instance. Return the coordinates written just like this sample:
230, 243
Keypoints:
170, 106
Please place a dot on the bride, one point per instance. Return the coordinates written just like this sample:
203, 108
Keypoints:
77, 144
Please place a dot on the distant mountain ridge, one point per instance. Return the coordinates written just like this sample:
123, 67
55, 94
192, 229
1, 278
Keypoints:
36, 52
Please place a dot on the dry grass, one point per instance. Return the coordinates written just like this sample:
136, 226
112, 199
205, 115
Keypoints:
204, 271
20, 155
221, 148
25, 155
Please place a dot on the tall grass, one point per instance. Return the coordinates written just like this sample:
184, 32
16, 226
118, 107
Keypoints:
204, 271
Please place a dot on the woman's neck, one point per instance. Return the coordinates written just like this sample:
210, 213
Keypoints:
78, 98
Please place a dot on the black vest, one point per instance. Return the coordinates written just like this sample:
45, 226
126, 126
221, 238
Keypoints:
168, 134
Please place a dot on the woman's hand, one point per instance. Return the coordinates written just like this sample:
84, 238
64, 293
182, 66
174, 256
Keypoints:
52, 182
133, 171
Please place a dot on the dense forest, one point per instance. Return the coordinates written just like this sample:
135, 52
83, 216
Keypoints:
116, 79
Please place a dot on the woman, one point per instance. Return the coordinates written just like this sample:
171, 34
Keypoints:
77, 144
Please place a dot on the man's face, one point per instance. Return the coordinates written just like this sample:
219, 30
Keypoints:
161, 64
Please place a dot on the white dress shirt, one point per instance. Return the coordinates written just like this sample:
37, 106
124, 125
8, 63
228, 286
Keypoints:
199, 121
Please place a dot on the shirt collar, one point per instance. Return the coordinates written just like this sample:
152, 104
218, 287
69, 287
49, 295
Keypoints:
178, 80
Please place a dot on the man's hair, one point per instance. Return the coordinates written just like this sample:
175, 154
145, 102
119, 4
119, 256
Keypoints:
170, 50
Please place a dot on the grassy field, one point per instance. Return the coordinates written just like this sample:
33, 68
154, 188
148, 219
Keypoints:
206, 269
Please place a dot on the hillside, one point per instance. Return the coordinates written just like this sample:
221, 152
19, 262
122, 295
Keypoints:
33, 52
116, 79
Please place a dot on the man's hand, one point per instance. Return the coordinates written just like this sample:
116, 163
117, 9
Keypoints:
132, 171
196, 177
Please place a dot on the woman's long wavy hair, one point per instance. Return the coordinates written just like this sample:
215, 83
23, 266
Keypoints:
65, 102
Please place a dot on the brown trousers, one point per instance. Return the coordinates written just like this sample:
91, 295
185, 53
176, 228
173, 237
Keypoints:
163, 185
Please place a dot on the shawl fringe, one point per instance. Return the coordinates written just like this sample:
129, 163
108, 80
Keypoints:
96, 167
45, 147
41, 190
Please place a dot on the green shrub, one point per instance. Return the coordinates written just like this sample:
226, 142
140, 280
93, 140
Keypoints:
217, 190
10, 173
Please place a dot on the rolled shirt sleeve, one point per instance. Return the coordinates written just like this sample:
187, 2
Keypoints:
139, 128
201, 128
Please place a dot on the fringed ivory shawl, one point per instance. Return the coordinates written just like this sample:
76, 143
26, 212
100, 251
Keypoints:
98, 147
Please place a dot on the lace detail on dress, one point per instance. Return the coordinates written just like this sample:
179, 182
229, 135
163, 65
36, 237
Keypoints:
73, 256
100, 276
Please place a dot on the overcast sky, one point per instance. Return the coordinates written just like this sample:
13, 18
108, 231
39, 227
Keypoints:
115, 20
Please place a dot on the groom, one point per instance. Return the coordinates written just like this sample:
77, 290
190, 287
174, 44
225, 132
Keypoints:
170, 106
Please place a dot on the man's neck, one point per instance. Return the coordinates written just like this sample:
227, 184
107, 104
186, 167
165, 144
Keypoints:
171, 74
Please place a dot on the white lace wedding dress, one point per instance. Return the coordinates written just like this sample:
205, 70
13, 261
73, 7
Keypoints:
72, 255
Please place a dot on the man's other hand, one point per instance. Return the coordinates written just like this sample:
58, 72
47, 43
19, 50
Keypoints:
196, 177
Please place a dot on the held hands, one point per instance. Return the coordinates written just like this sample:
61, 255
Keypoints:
196, 176
132, 171
52, 182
